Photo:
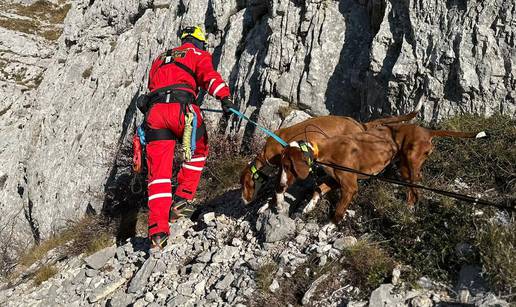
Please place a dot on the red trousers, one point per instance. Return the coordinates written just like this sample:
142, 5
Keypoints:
160, 156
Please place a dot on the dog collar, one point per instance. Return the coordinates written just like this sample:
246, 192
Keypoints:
257, 175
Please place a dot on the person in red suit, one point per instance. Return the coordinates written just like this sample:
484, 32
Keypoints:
174, 81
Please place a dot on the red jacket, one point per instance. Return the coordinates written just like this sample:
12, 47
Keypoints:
199, 61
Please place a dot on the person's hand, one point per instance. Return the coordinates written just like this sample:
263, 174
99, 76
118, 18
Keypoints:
228, 103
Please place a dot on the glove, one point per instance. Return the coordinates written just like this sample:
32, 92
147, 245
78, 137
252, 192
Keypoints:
228, 103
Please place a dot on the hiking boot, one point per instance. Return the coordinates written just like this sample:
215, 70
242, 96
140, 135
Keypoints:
180, 208
159, 240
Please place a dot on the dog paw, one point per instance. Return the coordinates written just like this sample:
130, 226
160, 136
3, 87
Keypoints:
281, 209
330, 227
263, 208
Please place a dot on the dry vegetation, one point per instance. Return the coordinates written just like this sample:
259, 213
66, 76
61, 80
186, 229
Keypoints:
368, 265
265, 275
43, 274
224, 165
85, 236
41, 18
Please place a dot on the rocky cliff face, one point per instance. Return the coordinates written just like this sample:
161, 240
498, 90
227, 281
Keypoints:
66, 128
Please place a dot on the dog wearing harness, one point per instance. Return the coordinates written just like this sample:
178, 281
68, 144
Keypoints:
171, 116
361, 156
312, 129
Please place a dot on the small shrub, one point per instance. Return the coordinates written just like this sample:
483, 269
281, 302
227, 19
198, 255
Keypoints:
368, 265
480, 163
265, 275
284, 111
91, 234
44, 273
424, 239
223, 166
497, 246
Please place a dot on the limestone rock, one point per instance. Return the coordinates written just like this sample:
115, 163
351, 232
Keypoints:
100, 258
140, 279
225, 282
105, 290
275, 227
383, 296
68, 106
344, 243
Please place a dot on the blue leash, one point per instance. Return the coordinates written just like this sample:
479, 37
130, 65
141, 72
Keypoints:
239, 114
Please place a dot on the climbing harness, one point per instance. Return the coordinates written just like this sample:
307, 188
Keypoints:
169, 59
466, 198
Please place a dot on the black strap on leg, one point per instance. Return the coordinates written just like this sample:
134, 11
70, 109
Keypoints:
158, 134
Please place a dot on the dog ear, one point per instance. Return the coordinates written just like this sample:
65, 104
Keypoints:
299, 164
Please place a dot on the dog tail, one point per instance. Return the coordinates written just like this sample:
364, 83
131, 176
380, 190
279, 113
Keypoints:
458, 134
390, 120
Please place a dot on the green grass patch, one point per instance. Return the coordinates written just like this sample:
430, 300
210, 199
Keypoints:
497, 246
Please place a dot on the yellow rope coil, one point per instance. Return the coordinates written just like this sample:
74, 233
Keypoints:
187, 137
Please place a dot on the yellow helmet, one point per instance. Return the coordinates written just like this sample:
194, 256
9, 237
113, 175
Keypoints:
195, 32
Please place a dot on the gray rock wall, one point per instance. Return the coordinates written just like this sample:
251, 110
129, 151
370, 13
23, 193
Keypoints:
458, 54
65, 149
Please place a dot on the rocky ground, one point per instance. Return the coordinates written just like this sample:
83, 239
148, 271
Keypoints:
232, 256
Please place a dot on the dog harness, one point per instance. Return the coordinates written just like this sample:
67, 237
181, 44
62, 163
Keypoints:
309, 151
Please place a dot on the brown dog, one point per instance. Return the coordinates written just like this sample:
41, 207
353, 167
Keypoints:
368, 152
312, 129
415, 145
